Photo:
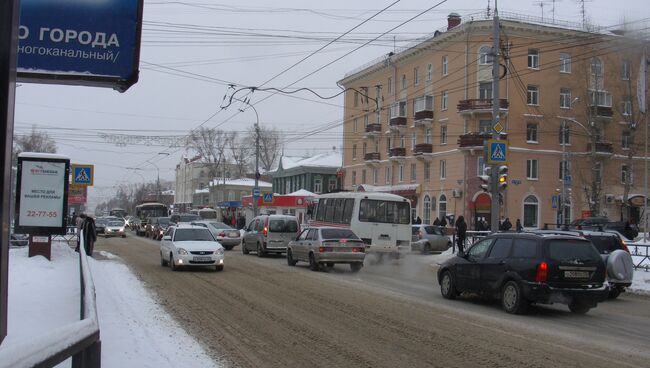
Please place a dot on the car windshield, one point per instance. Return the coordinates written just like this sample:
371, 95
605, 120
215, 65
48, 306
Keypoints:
338, 234
282, 226
101, 221
604, 243
193, 235
219, 225
565, 250
188, 218
116, 223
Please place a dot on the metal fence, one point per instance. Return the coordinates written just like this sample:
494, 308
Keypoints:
640, 255
79, 340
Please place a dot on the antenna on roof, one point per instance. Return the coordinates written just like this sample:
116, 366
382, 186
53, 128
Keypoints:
553, 10
488, 10
541, 4
583, 12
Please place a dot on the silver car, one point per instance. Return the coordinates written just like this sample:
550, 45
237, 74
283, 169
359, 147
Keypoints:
428, 238
269, 234
323, 247
226, 235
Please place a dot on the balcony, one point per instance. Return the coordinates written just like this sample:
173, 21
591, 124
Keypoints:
423, 148
480, 105
373, 130
423, 117
397, 153
602, 148
397, 122
603, 111
372, 157
473, 140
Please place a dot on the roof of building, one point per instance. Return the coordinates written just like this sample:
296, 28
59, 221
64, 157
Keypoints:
302, 192
242, 182
331, 159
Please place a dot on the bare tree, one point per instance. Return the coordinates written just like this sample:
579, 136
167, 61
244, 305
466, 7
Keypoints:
270, 145
35, 141
211, 146
240, 152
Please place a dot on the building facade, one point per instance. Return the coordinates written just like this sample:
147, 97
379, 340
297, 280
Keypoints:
191, 175
567, 108
317, 174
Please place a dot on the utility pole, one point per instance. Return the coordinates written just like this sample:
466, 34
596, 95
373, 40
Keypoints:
494, 171
257, 166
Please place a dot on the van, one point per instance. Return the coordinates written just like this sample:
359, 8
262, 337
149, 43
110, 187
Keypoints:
269, 234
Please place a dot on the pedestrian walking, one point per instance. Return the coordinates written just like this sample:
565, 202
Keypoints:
418, 220
461, 232
443, 222
507, 225
78, 223
519, 227
436, 222
90, 235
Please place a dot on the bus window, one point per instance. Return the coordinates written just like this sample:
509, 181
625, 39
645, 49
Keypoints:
403, 212
347, 211
384, 211
320, 210
338, 210
329, 210
381, 211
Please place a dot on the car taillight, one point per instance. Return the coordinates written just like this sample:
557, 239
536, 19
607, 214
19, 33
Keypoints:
420, 234
223, 234
265, 231
624, 246
358, 250
325, 249
542, 272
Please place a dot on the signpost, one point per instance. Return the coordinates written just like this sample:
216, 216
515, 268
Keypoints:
83, 174
497, 151
267, 198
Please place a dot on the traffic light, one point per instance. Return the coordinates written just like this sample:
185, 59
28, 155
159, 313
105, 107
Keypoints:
486, 180
503, 177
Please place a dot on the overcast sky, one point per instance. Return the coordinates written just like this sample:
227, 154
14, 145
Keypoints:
191, 49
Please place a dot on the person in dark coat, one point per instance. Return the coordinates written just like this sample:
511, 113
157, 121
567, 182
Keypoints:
418, 220
436, 222
518, 226
507, 225
90, 234
443, 222
461, 232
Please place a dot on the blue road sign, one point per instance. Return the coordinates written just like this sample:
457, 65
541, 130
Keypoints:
256, 192
82, 174
268, 198
567, 179
554, 200
497, 151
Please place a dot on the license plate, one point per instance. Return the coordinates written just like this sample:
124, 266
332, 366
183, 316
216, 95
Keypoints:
576, 274
233, 234
202, 259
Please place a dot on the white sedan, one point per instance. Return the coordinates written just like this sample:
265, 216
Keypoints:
190, 246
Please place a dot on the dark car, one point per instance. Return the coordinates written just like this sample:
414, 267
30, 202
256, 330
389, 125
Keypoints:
524, 268
100, 225
157, 227
589, 222
617, 258
184, 218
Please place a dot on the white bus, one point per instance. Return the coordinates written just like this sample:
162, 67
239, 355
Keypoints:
381, 220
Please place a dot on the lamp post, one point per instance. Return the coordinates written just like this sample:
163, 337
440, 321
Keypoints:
256, 188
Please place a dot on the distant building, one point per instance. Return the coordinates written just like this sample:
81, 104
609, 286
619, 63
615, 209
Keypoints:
227, 193
317, 174
193, 175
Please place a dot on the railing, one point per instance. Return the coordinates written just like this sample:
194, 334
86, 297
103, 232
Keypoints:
423, 148
640, 255
397, 152
79, 340
397, 122
373, 128
602, 147
471, 236
480, 104
372, 156
603, 111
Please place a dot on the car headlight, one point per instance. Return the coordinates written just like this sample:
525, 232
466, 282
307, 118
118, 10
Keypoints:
219, 252
182, 251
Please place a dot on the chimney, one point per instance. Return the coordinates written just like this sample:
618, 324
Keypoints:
453, 20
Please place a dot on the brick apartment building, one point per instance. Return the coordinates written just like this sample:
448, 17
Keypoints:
565, 93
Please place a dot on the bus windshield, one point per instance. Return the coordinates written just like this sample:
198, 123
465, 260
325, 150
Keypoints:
388, 212
144, 211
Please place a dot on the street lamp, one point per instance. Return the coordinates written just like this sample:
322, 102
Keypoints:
256, 189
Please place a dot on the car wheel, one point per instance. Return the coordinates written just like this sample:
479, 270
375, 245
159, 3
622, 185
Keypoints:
614, 292
290, 260
356, 266
244, 250
448, 286
218, 268
426, 248
172, 264
162, 261
313, 265
579, 308
229, 247
511, 298
260, 250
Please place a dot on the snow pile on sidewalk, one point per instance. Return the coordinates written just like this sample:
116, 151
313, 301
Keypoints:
135, 331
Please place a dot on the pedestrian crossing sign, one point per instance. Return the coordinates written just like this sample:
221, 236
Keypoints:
267, 198
497, 151
82, 174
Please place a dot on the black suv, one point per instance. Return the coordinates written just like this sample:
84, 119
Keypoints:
158, 227
524, 268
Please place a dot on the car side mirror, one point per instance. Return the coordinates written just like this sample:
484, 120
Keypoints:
167, 237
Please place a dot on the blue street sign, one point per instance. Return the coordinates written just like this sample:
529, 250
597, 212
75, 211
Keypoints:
567, 179
497, 151
82, 174
554, 201
256, 192
268, 198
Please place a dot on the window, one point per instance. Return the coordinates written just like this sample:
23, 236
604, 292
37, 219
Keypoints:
331, 185
525, 248
565, 134
356, 98
384, 212
375, 176
444, 100
485, 90
354, 180
427, 171
355, 125
564, 169
433, 203
600, 98
625, 70
388, 175
442, 208
485, 55
318, 182
414, 169
363, 176
348, 207
365, 122
565, 63
531, 132
426, 210
398, 110
364, 95
596, 67
429, 72
403, 84
400, 173
414, 140
485, 126
565, 98
533, 58
625, 140
427, 136
416, 76
231, 195
424, 103
478, 250
338, 212
402, 141
531, 169
445, 65
626, 106
443, 169
390, 85
481, 168
531, 207
354, 151
365, 149
501, 248
625, 172
533, 95
388, 145
376, 146
443, 134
